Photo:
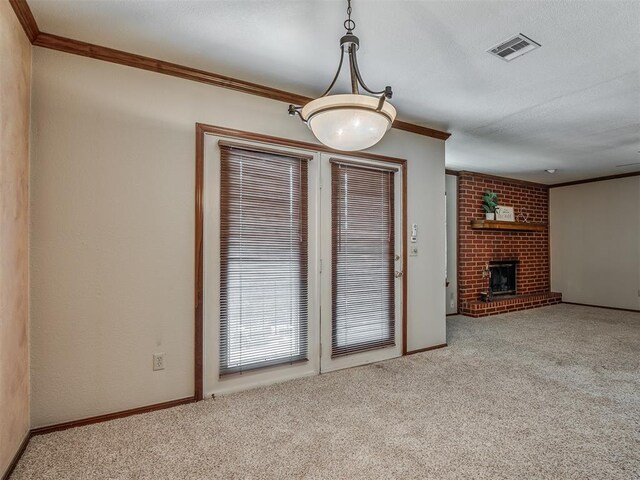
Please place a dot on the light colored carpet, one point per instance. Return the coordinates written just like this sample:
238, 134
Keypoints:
550, 393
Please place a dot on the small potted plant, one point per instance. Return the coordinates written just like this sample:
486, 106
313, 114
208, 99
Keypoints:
489, 204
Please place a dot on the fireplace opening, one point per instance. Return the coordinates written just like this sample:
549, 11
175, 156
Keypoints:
503, 277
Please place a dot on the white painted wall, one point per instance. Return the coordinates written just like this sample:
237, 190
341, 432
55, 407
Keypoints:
112, 234
451, 294
595, 242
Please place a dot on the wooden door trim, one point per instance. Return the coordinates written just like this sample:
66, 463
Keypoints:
201, 131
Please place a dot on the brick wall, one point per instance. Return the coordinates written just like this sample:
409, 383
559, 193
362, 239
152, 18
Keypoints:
477, 247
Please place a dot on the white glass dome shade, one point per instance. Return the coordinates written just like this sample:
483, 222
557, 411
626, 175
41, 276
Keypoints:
348, 122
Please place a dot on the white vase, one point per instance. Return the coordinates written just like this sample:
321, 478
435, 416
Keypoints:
490, 216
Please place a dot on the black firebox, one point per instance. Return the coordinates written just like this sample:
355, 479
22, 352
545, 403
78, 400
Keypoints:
503, 277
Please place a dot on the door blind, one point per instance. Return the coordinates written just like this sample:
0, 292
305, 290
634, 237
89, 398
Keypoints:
264, 258
362, 237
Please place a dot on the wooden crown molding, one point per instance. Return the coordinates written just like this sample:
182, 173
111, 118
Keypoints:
596, 179
460, 173
28, 22
420, 130
467, 173
78, 47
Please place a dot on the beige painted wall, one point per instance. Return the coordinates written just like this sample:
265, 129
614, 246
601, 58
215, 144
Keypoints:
15, 91
113, 229
595, 242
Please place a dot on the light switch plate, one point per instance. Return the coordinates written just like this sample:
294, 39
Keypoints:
413, 251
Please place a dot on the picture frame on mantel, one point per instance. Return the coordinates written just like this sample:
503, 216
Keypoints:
505, 214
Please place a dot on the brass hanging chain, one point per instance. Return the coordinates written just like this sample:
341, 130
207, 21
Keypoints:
349, 24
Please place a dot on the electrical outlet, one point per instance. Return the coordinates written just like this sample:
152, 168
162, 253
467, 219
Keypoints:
158, 361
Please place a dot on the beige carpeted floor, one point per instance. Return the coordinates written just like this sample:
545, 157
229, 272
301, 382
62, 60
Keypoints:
550, 393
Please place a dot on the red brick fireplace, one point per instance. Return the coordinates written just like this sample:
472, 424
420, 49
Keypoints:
482, 244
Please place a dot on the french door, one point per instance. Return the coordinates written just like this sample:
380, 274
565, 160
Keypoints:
302, 263
361, 302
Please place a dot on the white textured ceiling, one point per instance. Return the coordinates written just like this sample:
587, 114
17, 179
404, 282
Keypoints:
573, 104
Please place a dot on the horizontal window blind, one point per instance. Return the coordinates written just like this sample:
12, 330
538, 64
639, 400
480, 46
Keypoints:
362, 235
264, 258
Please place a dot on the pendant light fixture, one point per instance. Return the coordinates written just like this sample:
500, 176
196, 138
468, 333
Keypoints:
352, 121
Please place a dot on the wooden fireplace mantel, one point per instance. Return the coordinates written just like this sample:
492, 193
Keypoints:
501, 225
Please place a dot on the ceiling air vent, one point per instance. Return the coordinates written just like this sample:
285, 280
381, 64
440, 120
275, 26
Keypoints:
513, 47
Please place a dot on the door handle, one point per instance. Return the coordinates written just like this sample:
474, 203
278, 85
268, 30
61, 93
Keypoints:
398, 274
